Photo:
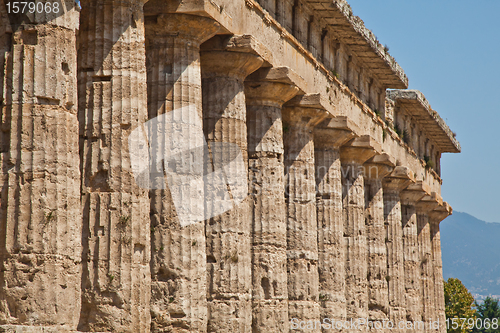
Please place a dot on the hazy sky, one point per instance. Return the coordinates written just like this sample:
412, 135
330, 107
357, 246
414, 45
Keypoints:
450, 50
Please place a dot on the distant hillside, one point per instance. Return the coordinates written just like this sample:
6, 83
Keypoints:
471, 253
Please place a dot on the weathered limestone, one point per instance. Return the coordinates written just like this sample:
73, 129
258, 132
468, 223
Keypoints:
112, 102
226, 62
353, 155
40, 217
328, 137
178, 267
435, 217
424, 206
5, 45
409, 198
393, 184
300, 116
266, 91
213, 256
375, 170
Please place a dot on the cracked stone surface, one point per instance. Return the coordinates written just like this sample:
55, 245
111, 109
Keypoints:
87, 245
112, 101
40, 216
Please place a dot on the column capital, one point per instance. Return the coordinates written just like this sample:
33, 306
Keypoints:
240, 44
440, 213
273, 86
334, 132
379, 166
398, 179
238, 56
223, 63
305, 110
195, 7
415, 192
193, 28
429, 203
359, 150
312, 101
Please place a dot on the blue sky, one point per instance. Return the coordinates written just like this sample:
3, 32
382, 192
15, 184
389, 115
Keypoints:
450, 50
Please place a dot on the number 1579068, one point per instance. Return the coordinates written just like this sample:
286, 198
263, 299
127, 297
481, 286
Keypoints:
472, 323
32, 7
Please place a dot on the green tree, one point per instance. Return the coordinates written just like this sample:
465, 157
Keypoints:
489, 309
459, 304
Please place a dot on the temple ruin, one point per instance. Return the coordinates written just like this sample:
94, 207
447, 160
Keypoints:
341, 217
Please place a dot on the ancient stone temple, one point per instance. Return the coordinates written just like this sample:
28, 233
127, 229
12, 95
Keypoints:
214, 166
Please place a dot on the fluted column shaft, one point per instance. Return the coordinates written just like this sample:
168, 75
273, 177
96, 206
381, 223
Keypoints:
353, 193
395, 256
426, 268
411, 261
355, 241
40, 217
378, 297
300, 196
112, 102
5, 45
178, 267
266, 186
437, 264
331, 242
228, 235
331, 255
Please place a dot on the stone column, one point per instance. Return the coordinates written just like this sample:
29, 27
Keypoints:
398, 180
409, 198
112, 102
353, 155
424, 206
300, 116
226, 62
5, 46
378, 298
266, 91
435, 218
178, 268
328, 137
40, 216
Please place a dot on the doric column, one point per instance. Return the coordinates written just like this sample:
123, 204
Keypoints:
112, 102
424, 206
179, 262
40, 216
226, 62
409, 198
398, 180
266, 91
328, 137
5, 46
353, 155
300, 116
375, 170
435, 217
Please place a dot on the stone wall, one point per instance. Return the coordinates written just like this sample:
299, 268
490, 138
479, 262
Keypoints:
213, 166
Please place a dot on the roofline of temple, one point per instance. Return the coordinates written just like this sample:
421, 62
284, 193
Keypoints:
352, 31
420, 109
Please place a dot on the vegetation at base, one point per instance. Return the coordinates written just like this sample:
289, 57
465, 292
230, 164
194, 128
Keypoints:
459, 304
489, 309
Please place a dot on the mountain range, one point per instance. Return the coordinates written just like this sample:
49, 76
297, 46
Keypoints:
471, 253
